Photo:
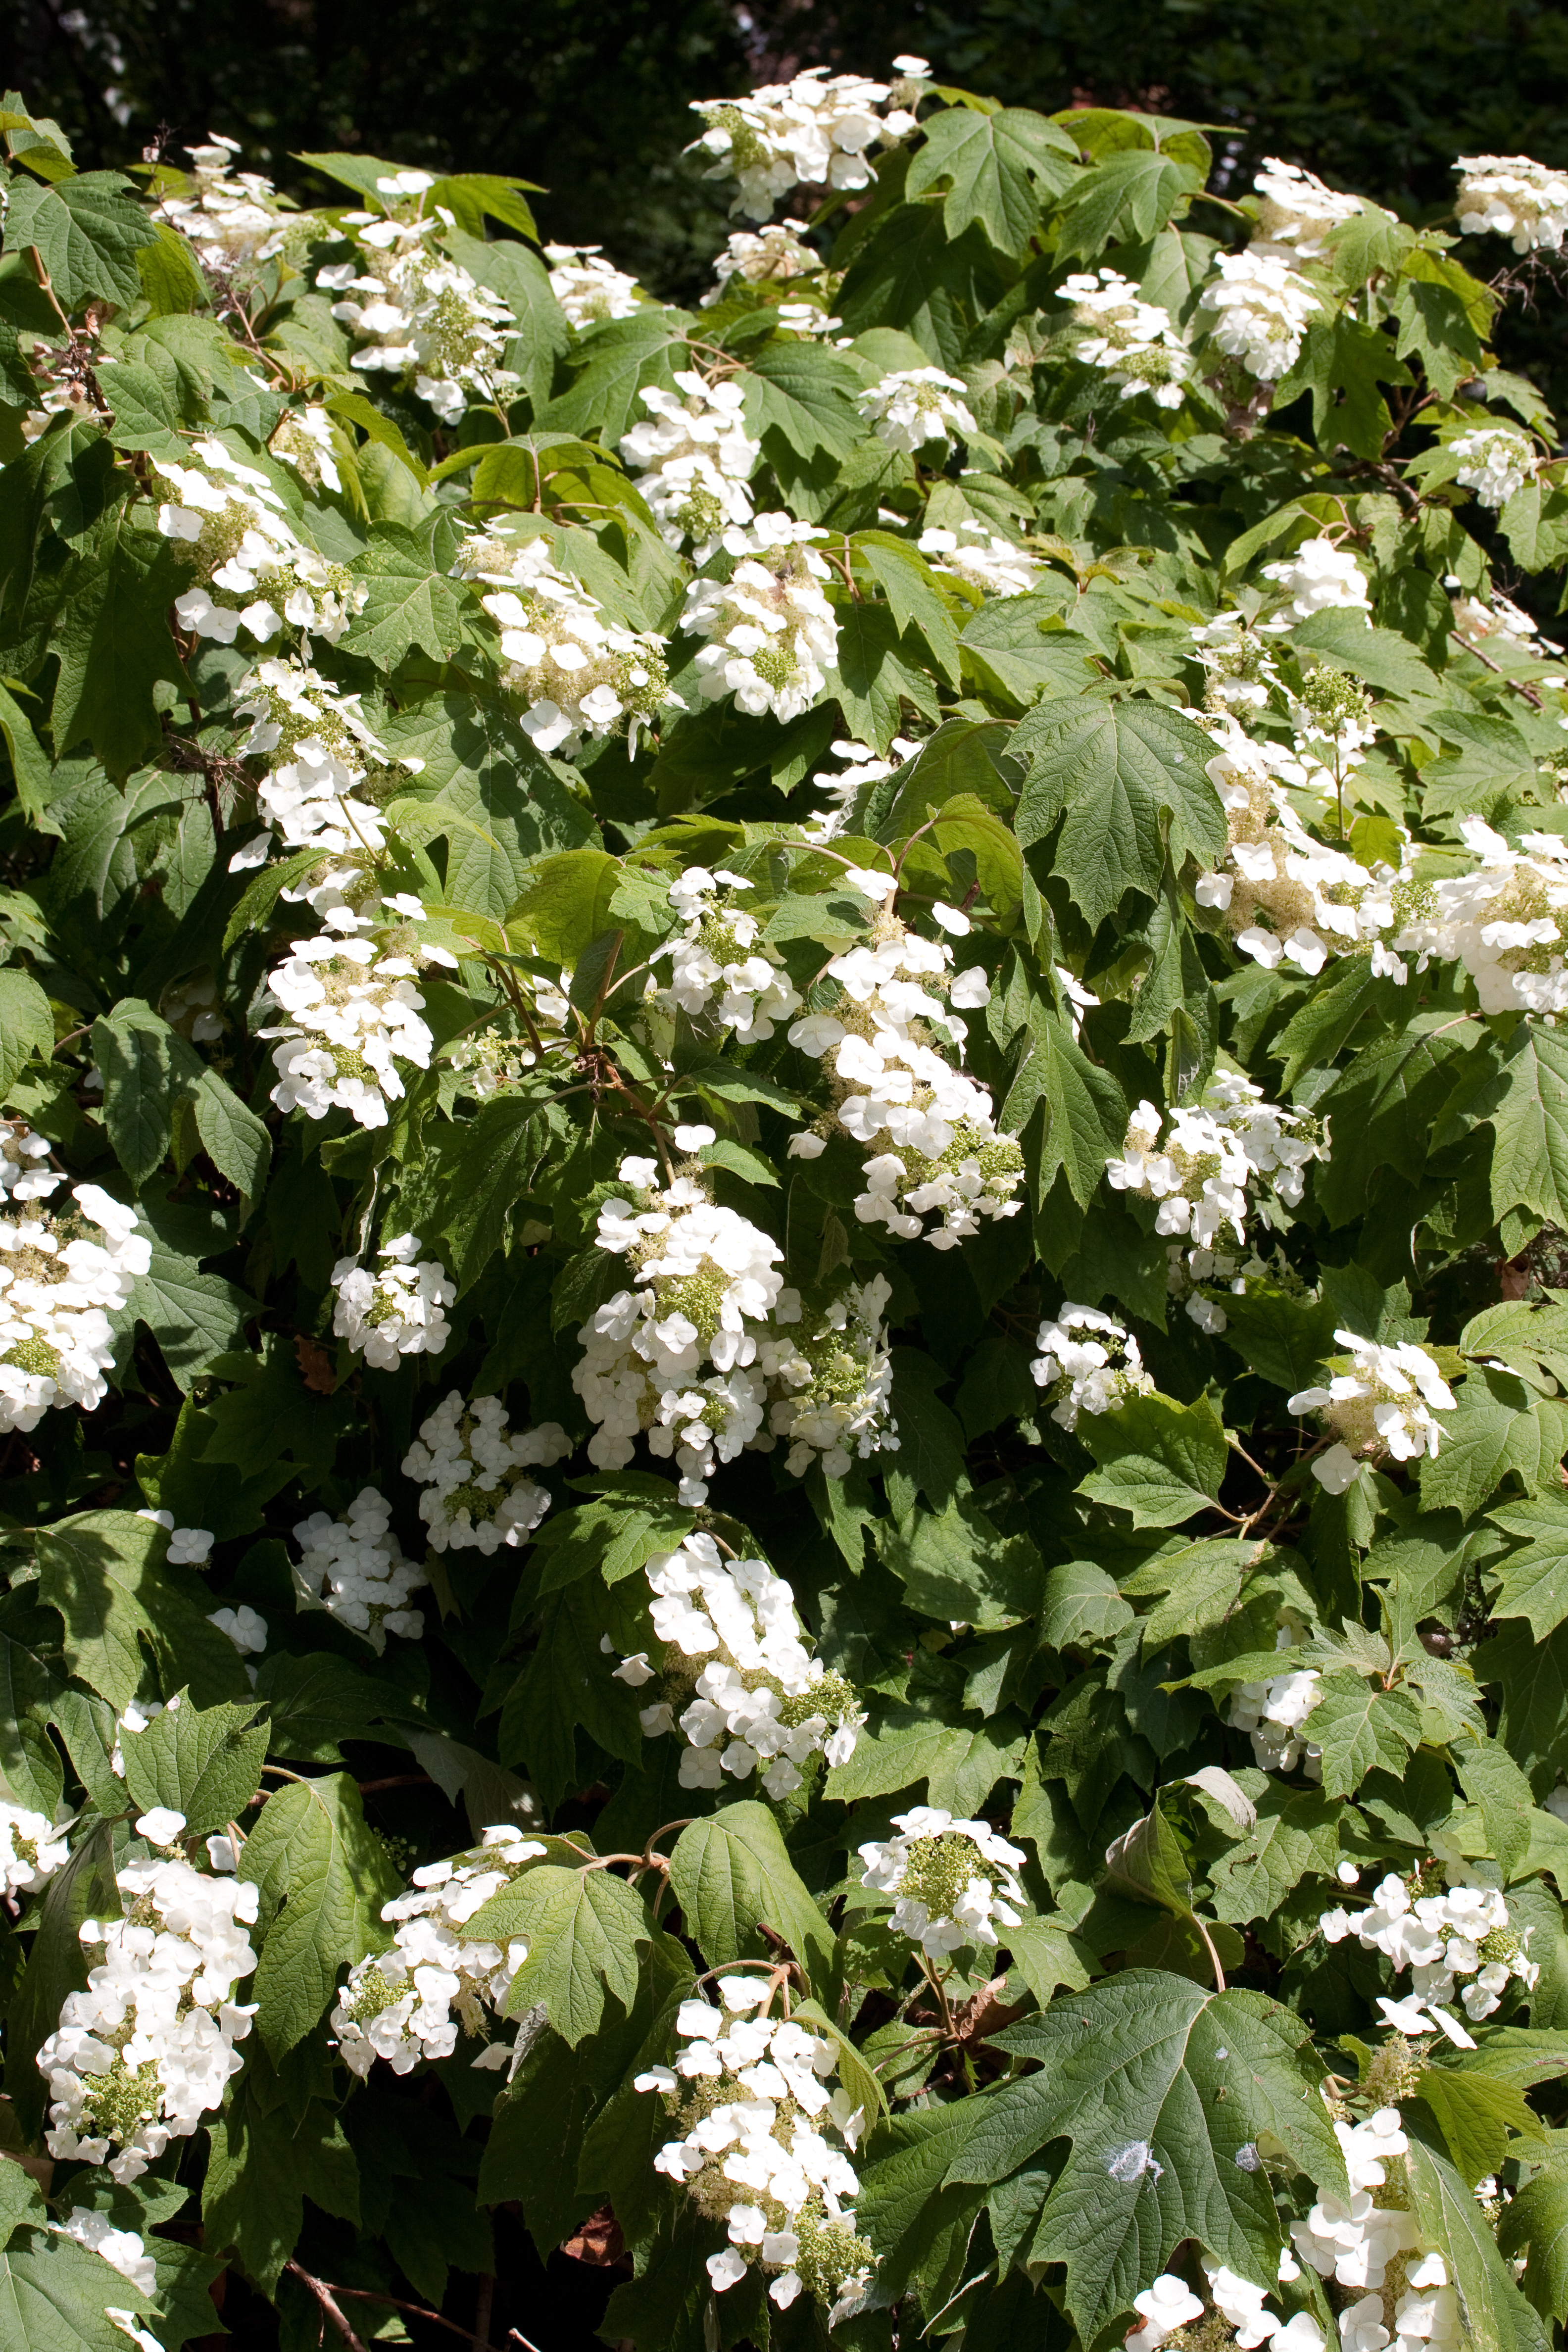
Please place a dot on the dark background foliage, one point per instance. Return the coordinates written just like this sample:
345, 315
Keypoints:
590, 97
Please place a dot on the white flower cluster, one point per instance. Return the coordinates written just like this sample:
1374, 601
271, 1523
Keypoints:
750, 2096
982, 556
772, 636
1357, 2243
416, 313
1384, 1406
148, 2048
760, 257
1201, 1169
22, 1178
30, 1852
233, 519
1284, 895
491, 1060
410, 2002
716, 960
246, 1628
1501, 619
813, 131
475, 1497
122, 2249
693, 456
866, 767
757, 1696
1507, 921
587, 287
352, 1014
315, 741
1494, 461
1259, 308
399, 1311
188, 1547
1297, 209
932, 1130
1136, 344
1087, 1374
953, 1883
63, 1273
1515, 197
577, 672
1273, 1715
232, 218
705, 1288
353, 1568
1239, 663
1462, 1929
305, 440
1320, 577
914, 406
1170, 2305
831, 1380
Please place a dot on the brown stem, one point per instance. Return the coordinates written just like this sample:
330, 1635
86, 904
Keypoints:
369, 2294
324, 2296
482, 2302
397, 1781
1518, 684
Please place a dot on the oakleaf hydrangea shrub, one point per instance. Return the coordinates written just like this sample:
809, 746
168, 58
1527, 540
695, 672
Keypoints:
783, 1249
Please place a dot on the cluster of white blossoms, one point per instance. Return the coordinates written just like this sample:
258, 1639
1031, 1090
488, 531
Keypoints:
930, 1130
914, 406
953, 1883
1137, 345
693, 456
319, 750
1515, 197
771, 635
415, 312
122, 2249
490, 1060
1240, 666
762, 256
1088, 1361
411, 2001
866, 767
351, 1016
1296, 209
233, 523
353, 1568
188, 1547
30, 1851
1507, 921
749, 2097
1257, 310
1284, 895
231, 218
1274, 1714
246, 1628
716, 962
477, 1497
675, 1358
831, 1379
737, 1676
975, 552
1203, 1167
577, 672
305, 440
812, 131
399, 1310
1440, 1933
1384, 1406
1320, 577
1501, 621
1169, 2306
148, 2048
63, 1274
1359, 2241
587, 287
1495, 461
